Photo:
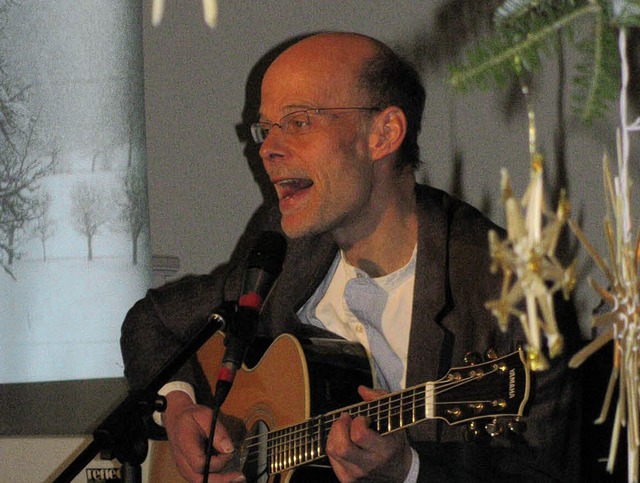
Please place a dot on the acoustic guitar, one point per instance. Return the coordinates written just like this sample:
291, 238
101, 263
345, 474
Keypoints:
282, 405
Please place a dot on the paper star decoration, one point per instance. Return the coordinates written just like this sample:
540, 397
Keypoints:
619, 321
209, 7
531, 271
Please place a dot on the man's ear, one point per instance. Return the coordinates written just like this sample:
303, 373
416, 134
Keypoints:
387, 132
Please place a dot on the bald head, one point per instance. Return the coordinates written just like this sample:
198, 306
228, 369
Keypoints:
351, 69
333, 60
344, 46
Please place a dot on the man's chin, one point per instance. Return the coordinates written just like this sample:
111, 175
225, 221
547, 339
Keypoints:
294, 233
297, 229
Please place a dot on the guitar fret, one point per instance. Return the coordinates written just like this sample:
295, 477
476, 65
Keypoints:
271, 453
409, 413
308, 441
321, 435
281, 449
394, 417
384, 415
297, 451
320, 438
374, 413
314, 438
276, 456
413, 407
287, 449
293, 459
280, 452
288, 455
294, 447
279, 457
291, 456
297, 445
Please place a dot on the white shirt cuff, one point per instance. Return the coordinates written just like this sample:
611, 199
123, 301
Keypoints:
412, 476
170, 387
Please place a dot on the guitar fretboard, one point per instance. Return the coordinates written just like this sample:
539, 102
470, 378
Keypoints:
303, 443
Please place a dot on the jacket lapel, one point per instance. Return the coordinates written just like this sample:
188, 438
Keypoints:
428, 338
306, 264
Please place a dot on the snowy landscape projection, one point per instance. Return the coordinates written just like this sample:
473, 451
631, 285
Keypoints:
74, 230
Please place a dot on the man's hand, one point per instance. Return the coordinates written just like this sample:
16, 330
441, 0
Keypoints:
187, 426
359, 453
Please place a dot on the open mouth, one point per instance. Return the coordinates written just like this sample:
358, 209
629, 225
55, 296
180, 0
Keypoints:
291, 186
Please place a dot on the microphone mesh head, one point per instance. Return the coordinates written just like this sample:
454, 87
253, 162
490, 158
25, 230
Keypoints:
268, 252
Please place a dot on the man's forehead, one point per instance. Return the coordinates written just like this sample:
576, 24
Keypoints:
311, 80
320, 51
282, 96
312, 65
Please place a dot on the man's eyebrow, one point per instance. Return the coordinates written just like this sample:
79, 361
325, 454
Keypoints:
288, 109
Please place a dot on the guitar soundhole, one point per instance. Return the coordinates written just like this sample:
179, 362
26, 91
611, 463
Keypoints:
254, 452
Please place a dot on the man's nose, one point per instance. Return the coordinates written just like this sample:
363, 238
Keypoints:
273, 145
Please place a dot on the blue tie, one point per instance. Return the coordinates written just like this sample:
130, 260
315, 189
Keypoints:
367, 301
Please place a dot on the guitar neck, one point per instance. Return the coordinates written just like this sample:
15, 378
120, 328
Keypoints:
393, 412
303, 443
496, 388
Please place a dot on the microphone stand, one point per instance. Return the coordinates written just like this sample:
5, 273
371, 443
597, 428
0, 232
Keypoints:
122, 434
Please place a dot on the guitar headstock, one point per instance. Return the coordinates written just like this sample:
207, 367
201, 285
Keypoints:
494, 388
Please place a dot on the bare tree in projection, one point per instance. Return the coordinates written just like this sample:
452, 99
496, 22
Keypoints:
132, 213
20, 174
43, 226
88, 212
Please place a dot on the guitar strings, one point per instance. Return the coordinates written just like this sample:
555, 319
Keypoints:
389, 407
293, 445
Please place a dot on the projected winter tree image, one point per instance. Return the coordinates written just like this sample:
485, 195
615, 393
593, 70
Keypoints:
74, 230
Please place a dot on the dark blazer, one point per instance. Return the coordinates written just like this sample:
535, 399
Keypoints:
453, 282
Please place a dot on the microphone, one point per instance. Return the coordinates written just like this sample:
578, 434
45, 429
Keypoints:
264, 264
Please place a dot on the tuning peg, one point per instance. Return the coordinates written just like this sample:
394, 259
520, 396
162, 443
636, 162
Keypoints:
517, 426
472, 358
491, 354
494, 428
474, 433
160, 404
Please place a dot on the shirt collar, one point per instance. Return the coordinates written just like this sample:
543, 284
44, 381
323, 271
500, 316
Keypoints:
387, 282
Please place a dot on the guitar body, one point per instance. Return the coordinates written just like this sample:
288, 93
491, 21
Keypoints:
291, 382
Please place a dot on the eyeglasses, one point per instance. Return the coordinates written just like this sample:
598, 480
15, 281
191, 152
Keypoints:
297, 122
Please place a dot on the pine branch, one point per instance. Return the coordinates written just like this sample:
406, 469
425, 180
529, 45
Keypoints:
597, 81
495, 57
512, 10
524, 31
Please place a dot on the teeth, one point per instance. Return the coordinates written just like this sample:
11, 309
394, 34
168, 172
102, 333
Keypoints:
295, 183
290, 186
